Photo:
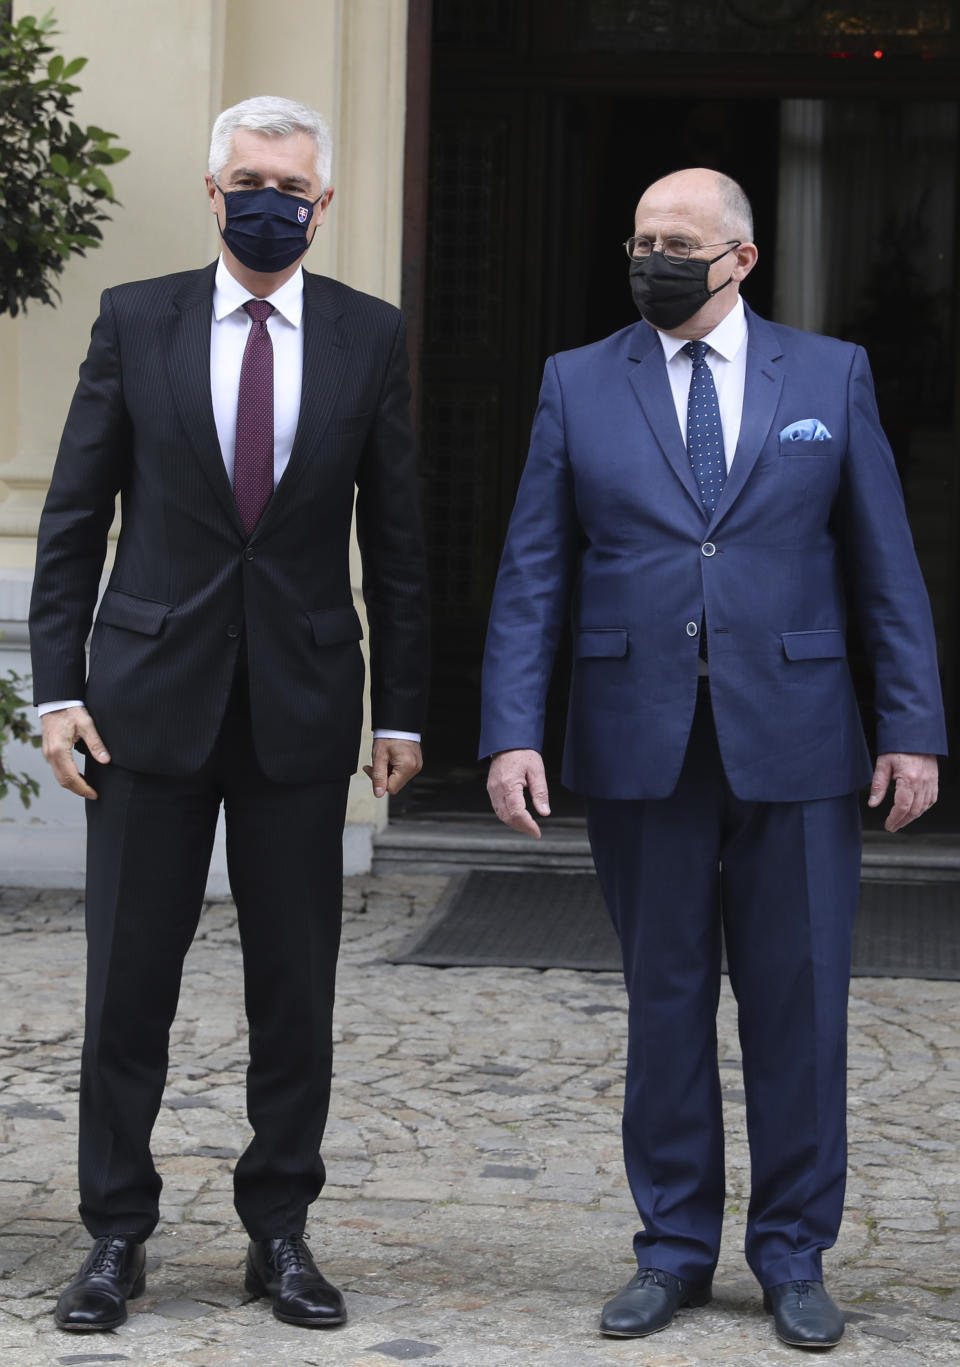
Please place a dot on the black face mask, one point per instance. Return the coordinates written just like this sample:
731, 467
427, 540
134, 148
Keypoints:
667, 293
266, 230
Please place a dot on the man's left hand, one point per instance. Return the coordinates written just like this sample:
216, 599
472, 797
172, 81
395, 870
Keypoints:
915, 779
395, 763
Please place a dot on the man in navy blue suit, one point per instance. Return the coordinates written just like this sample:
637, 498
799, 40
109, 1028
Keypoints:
704, 492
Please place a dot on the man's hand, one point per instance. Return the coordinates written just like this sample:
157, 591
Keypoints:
61, 730
915, 780
511, 771
395, 763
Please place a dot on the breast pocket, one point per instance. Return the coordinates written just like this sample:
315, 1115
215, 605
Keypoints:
350, 425
804, 449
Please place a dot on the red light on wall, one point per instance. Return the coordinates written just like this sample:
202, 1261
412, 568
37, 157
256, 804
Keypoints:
878, 54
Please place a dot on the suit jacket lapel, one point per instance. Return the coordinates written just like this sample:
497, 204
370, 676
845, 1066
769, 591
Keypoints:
325, 353
186, 333
648, 378
761, 395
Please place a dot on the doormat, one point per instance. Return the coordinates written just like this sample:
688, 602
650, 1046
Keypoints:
558, 920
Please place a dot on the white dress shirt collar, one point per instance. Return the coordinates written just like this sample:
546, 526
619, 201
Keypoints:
229, 295
726, 339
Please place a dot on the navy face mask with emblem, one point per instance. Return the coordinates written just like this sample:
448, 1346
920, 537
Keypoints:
266, 230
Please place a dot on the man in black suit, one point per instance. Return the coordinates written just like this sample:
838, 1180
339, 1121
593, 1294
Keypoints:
236, 410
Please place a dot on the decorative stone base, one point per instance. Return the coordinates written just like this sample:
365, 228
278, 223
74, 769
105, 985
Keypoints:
46, 856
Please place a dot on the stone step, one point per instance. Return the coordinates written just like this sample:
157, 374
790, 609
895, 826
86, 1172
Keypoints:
478, 843
481, 842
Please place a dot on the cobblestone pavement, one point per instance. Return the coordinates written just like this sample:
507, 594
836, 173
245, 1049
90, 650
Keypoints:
476, 1212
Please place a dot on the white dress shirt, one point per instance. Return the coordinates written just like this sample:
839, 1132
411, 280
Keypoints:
229, 327
727, 359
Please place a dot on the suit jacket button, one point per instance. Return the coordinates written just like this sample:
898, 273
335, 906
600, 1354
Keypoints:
233, 631
692, 628
708, 549
248, 553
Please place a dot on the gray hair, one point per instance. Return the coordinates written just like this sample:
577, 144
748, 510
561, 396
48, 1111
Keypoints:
737, 214
276, 117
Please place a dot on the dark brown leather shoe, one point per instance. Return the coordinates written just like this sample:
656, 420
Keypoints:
96, 1299
284, 1270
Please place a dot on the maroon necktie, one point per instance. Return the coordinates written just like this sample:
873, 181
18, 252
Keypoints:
253, 454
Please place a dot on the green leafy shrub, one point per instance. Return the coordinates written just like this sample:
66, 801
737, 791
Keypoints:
15, 725
53, 187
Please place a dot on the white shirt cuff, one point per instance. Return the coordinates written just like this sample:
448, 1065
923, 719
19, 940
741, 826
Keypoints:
44, 707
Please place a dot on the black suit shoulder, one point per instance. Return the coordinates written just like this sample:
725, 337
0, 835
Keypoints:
370, 320
159, 294
182, 289
346, 299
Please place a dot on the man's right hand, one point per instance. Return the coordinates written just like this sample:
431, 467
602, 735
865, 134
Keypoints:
61, 730
511, 771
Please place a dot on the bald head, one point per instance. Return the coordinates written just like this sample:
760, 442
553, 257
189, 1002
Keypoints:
708, 215
706, 195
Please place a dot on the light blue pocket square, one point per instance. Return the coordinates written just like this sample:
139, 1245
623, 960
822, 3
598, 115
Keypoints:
807, 429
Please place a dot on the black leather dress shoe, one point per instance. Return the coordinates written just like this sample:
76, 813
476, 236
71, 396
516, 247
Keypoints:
649, 1302
284, 1270
96, 1299
804, 1315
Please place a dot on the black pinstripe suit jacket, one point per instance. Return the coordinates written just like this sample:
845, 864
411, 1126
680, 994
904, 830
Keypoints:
189, 589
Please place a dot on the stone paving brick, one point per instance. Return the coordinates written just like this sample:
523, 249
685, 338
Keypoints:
476, 1212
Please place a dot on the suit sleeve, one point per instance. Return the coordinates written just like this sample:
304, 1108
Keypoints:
390, 534
888, 589
532, 594
77, 513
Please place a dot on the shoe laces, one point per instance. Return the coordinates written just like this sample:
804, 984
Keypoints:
802, 1289
653, 1275
108, 1256
292, 1254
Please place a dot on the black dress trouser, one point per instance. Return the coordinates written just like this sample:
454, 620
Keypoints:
149, 842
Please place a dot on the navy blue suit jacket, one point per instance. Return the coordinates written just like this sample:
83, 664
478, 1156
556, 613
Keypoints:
608, 528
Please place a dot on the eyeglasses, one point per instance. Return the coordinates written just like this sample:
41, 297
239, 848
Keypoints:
673, 248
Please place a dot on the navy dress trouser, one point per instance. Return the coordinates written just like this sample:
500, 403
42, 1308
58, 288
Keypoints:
782, 879
149, 842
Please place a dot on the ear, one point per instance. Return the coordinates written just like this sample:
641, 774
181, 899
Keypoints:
212, 193
745, 258
320, 209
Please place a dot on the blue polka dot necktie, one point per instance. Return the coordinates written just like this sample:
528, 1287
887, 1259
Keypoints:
704, 430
